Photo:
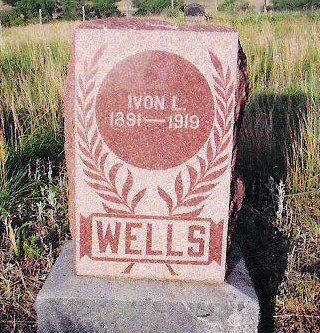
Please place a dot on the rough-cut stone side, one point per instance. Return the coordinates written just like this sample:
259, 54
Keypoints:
237, 186
69, 140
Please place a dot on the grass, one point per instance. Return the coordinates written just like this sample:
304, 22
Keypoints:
279, 153
33, 189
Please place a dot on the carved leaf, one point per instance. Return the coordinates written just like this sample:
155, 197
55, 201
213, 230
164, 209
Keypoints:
228, 126
94, 175
98, 55
81, 85
214, 175
204, 188
89, 121
89, 105
94, 139
90, 88
221, 106
231, 107
98, 187
85, 66
137, 198
103, 160
113, 173
203, 165
225, 144
84, 150
228, 76
92, 73
166, 197
89, 165
110, 198
209, 152
79, 101
127, 186
97, 151
193, 213
217, 137
218, 81
217, 64
220, 120
82, 135
114, 211
220, 160
220, 92
193, 175
195, 201
230, 91
81, 121
179, 187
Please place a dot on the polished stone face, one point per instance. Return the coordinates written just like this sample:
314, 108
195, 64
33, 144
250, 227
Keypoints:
149, 124
152, 110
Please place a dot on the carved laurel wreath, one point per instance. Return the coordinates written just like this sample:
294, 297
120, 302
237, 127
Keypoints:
93, 157
203, 180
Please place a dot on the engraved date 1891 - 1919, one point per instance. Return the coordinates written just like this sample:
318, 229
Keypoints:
153, 110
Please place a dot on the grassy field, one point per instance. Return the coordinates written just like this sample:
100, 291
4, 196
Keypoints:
279, 227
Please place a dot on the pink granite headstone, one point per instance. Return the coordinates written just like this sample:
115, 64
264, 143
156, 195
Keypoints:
151, 111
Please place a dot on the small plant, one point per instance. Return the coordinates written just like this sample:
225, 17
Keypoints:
295, 4
172, 12
235, 6
16, 237
146, 7
11, 18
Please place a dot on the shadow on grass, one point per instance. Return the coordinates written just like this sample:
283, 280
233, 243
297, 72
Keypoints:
267, 133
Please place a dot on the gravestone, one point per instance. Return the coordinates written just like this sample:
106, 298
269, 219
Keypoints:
153, 113
149, 149
194, 12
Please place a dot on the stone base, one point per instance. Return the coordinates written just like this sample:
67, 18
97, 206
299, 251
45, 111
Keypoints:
69, 303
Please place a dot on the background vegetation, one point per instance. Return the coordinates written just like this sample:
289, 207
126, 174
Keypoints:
145, 7
23, 12
295, 4
235, 6
280, 224
26, 11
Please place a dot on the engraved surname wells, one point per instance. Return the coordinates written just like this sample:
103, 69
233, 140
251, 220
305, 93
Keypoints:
143, 238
